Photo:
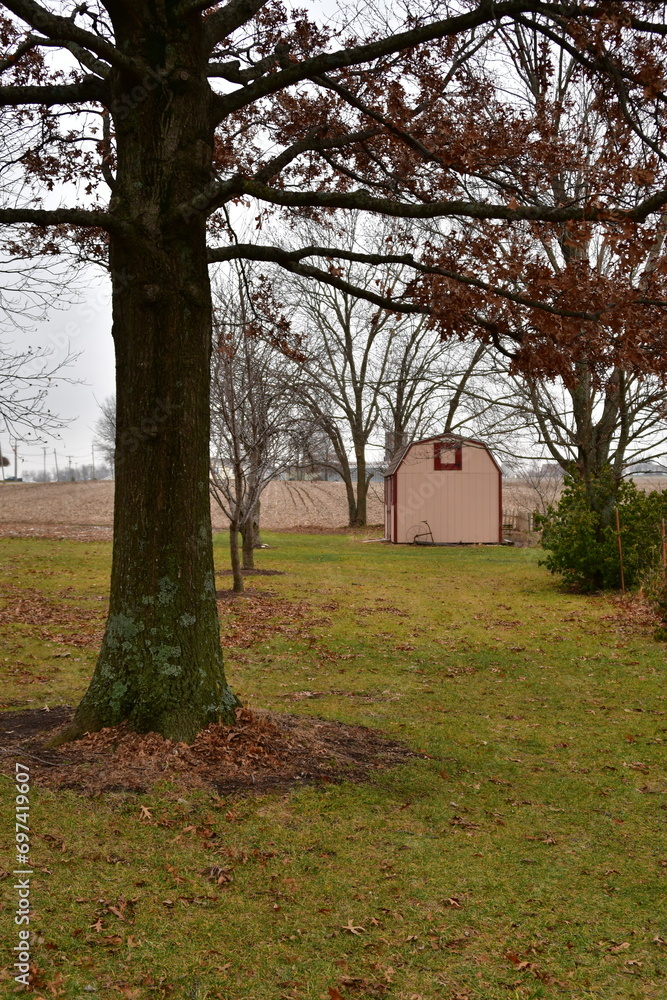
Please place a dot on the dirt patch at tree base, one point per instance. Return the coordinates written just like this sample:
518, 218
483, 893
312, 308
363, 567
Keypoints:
264, 751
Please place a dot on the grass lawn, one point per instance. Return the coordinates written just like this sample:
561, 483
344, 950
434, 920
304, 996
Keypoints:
525, 857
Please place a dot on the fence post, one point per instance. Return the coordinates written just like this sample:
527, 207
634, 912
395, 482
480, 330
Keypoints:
664, 547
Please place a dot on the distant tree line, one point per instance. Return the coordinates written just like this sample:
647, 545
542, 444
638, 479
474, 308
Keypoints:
77, 473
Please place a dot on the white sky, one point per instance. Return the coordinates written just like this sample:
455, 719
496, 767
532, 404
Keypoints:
85, 329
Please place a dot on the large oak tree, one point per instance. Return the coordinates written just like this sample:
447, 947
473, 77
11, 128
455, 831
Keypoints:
205, 105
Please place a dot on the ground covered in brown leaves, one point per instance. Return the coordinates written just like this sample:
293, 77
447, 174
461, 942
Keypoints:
263, 751
80, 623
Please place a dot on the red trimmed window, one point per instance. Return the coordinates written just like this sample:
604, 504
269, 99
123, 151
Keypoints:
447, 455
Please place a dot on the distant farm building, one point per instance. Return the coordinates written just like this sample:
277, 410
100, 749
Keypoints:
444, 490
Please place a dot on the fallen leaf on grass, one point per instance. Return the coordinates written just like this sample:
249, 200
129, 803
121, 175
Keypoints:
518, 962
172, 872
334, 993
620, 947
145, 813
55, 987
459, 821
364, 987
111, 940
353, 929
454, 942
216, 874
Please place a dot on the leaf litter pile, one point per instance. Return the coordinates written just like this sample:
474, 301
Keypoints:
263, 751
53, 620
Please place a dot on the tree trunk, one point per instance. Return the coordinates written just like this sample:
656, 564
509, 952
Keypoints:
362, 502
248, 536
256, 535
351, 500
160, 666
362, 491
237, 575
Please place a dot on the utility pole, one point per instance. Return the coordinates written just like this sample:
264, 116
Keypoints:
16, 459
44, 450
93, 449
55, 458
69, 459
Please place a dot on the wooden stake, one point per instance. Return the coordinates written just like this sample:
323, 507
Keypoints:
620, 549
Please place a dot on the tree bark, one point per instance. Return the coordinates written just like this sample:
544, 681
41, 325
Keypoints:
248, 536
237, 575
160, 666
351, 499
362, 489
256, 534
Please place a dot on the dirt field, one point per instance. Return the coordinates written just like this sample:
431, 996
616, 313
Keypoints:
519, 496
85, 509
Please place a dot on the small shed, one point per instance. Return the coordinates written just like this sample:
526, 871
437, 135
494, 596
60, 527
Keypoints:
444, 490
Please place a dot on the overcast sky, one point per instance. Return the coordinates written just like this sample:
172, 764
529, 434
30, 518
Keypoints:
83, 328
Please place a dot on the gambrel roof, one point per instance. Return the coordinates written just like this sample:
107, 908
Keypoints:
400, 455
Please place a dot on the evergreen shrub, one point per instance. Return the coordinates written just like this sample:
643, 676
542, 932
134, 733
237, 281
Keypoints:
580, 533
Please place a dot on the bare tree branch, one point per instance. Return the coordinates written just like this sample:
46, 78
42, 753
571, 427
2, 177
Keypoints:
293, 72
64, 29
364, 201
312, 142
59, 217
226, 19
91, 88
292, 260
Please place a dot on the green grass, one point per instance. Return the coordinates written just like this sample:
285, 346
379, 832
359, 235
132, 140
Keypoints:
525, 858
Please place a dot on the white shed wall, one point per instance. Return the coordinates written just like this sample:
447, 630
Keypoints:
460, 505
